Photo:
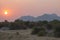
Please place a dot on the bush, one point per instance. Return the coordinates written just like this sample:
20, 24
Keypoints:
42, 33
35, 30
57, 32
17, 33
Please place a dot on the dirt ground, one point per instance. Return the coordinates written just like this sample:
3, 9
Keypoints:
21, 35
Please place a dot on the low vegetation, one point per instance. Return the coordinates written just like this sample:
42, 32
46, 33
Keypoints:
40, 28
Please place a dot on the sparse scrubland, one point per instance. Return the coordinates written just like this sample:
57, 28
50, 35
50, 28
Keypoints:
25, 30
22, 35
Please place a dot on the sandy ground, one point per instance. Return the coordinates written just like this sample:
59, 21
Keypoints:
21, 35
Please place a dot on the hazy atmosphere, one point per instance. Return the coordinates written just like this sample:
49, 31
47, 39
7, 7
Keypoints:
18, 8
29, 19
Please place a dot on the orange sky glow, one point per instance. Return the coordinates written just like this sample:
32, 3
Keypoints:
18, 8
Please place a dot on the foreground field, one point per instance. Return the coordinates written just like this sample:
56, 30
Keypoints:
21, 35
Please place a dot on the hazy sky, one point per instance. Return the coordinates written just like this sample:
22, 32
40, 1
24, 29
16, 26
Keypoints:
18, 8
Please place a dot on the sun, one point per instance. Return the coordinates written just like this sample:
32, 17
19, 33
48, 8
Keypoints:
5, 12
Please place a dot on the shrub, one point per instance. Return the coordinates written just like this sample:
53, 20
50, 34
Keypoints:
17, 33
35, 30
57, 32
42, 33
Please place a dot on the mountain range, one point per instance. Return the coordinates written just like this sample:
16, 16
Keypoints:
45, 17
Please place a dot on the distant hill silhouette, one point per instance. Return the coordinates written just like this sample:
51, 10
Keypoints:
47, 17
